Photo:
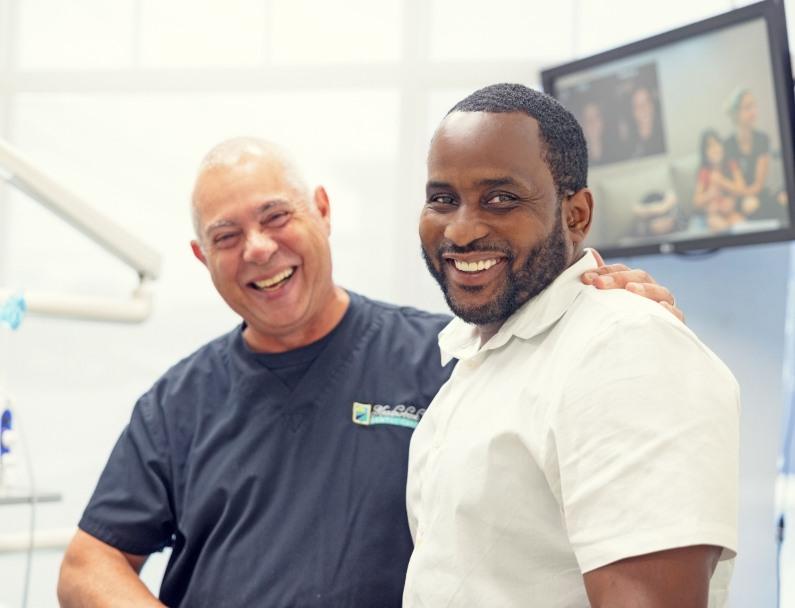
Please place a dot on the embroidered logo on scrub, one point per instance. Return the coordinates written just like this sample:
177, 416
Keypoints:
368, 414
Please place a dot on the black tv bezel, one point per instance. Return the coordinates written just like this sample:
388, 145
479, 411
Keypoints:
772, 11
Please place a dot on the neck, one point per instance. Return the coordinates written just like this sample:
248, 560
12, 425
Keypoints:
487, 331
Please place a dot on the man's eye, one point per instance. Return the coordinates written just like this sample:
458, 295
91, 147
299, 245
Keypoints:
441, 199
501, 199
224, 240
277, 219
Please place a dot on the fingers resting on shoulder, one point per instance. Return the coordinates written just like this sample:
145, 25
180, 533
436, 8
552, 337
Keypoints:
636, 280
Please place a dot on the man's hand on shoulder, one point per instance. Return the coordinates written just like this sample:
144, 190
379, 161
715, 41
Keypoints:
676, 577
636, 280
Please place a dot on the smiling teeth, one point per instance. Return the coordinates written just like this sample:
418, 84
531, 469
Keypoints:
474, 266
274, 279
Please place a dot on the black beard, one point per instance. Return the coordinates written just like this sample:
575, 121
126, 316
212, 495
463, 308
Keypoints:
544, 263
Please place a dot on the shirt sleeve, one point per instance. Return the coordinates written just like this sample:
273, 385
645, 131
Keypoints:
132, 506
647, 445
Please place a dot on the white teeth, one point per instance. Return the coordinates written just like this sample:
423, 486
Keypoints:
265, 283
474, 266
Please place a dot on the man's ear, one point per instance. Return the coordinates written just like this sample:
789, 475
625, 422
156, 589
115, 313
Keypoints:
577, 212
323, 206
197, 252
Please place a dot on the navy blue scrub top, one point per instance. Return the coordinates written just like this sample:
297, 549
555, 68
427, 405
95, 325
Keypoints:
271, 496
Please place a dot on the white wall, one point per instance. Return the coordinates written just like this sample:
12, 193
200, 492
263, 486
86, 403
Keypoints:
121, 99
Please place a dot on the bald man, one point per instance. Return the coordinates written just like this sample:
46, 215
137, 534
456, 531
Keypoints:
273, 459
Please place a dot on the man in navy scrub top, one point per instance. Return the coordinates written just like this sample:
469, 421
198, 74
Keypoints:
272, 460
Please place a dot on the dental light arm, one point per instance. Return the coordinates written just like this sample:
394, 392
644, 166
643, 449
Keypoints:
22, 174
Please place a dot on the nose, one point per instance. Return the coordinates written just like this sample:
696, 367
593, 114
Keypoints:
259, 248
465, 226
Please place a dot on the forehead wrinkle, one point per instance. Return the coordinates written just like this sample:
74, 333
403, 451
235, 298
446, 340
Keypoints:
489, 182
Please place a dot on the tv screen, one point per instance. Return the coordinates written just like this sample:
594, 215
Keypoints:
689, 135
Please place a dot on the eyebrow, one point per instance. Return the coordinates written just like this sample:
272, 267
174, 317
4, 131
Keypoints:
489, 182
264, 207
497, 181
219, 224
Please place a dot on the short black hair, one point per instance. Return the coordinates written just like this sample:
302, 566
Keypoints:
565, 153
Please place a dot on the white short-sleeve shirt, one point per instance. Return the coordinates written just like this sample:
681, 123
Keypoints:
594, 426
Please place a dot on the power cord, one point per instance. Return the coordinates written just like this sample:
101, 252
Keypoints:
32, 524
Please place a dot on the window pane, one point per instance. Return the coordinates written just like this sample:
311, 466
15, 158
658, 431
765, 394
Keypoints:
355, 31
135, 157
4, 220
79, 34
517, 29
202, 32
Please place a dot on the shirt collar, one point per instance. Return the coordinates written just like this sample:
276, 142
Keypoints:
460, 340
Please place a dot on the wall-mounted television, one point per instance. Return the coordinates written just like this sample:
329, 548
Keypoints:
689, 135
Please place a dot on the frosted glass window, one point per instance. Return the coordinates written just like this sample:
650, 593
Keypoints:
202, 32
604, 25
500, 29
5, 27
79, 34
355, 31
3, 229
789, 9
134, 157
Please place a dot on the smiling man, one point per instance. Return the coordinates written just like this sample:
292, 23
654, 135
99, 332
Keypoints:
264, 239
585, 446
273, 459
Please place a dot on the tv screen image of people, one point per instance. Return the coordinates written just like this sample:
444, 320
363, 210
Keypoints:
688, 136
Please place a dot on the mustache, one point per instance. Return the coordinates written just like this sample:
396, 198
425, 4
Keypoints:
450, 247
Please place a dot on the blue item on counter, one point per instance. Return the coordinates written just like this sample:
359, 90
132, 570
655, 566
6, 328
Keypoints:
5, 425
12, 312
